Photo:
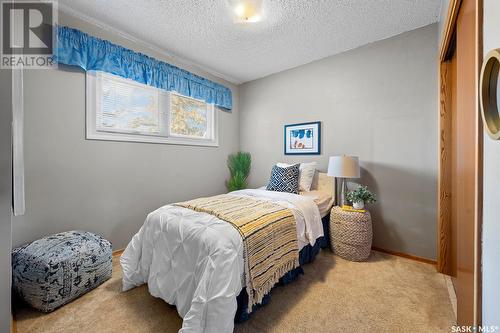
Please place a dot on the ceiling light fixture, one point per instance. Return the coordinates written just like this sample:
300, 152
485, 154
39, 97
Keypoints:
247, 11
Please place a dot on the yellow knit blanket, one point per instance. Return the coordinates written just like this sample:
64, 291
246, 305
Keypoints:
269, 237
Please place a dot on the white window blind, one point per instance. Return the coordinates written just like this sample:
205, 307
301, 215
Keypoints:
124, 110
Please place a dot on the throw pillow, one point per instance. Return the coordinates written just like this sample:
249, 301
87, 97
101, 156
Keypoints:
284, 179
306, 174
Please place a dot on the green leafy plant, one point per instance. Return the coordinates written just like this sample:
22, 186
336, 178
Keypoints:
239, 169
361, 194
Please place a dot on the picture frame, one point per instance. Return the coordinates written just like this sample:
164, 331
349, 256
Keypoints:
302, 139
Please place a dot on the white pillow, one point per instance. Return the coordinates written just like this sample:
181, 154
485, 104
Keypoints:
306, 174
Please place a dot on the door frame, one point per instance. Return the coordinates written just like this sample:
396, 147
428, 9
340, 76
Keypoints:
444, 162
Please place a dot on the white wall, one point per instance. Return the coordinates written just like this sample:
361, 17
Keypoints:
491, 204
378, 102
5, 197
102, 186
444, 12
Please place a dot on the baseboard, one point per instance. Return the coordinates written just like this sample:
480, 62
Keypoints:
118, 253
405, 255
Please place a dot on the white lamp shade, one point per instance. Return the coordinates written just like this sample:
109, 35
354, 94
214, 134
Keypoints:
343, 167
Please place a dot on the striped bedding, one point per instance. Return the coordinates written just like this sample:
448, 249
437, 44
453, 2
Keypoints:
195, 260
269, 237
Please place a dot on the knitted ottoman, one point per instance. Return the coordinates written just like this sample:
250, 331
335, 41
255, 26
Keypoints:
55, 270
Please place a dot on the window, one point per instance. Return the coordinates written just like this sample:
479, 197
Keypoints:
189, 118
124, 110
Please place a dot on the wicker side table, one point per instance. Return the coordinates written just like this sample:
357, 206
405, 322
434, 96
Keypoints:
350, 234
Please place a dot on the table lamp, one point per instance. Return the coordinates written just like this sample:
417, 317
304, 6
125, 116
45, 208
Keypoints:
343, 167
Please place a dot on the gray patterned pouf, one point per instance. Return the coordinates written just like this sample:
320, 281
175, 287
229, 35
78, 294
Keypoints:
55, 270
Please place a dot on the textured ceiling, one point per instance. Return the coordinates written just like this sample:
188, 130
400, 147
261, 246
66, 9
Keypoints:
291, 33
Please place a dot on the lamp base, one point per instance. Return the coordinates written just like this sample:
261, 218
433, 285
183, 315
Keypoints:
343, 192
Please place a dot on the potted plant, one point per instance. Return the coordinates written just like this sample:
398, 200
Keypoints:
360, 196
239, 169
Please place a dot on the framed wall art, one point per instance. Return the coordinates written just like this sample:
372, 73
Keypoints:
303, 139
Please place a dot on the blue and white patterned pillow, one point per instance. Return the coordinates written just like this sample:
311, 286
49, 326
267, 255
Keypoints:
284, 179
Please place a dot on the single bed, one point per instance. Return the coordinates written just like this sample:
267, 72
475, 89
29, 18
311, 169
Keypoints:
194, 260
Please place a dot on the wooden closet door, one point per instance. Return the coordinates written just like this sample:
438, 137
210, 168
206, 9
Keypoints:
454, 172
464, 160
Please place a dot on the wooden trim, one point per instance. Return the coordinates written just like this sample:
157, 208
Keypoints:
449, 28
118, 253
444, 167
446, 41
405, 255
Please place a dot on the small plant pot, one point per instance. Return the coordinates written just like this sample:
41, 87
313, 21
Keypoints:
358, 204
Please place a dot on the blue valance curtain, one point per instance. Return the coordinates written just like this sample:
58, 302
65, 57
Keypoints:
77, 48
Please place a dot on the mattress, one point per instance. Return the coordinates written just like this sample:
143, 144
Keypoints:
194, 260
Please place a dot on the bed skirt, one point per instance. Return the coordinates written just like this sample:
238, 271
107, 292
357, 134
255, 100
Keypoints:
306, 255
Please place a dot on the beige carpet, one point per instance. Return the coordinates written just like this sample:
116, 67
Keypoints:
385, 294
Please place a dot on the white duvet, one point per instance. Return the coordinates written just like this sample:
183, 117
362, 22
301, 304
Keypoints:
194, 260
